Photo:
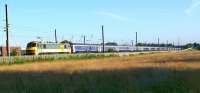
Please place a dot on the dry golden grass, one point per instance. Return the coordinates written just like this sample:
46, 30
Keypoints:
173, 72
173, 60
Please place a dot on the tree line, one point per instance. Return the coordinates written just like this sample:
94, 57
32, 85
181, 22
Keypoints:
192, 45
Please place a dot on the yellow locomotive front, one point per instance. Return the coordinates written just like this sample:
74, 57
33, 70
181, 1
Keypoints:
32, 48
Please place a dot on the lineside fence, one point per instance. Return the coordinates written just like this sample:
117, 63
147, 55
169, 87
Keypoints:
26, 59
56, 57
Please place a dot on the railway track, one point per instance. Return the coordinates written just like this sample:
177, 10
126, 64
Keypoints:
22, 59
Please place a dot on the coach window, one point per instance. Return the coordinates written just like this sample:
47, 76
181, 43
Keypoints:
39, 46
44, 46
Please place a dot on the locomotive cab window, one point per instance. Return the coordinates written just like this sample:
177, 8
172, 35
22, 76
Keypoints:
31, 45
65, 46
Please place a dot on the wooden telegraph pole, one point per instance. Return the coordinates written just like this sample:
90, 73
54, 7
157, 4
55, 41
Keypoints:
103, 42
84, 39
7, 32
56, 40
158, 42
136, 41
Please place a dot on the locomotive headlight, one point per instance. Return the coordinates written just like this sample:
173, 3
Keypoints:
32, 51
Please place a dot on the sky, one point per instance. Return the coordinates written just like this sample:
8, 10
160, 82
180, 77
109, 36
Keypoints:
172, 20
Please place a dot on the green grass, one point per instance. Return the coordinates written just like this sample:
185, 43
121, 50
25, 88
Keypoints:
125, 81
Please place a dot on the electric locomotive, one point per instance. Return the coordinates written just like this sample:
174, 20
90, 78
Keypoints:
38, 48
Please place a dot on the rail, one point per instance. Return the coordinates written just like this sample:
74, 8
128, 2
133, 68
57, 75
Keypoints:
26, 59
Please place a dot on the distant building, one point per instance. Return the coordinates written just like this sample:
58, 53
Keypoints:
23, 52
14, 51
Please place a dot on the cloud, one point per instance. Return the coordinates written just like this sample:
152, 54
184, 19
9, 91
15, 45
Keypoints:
195, 5
113, 16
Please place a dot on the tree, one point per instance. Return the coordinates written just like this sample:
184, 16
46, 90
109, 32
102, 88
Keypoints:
111, 43
192, 45
66, 41
15, 52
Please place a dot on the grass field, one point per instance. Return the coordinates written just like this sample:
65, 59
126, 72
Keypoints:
147, 73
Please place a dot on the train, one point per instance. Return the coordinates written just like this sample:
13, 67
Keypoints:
39, 48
